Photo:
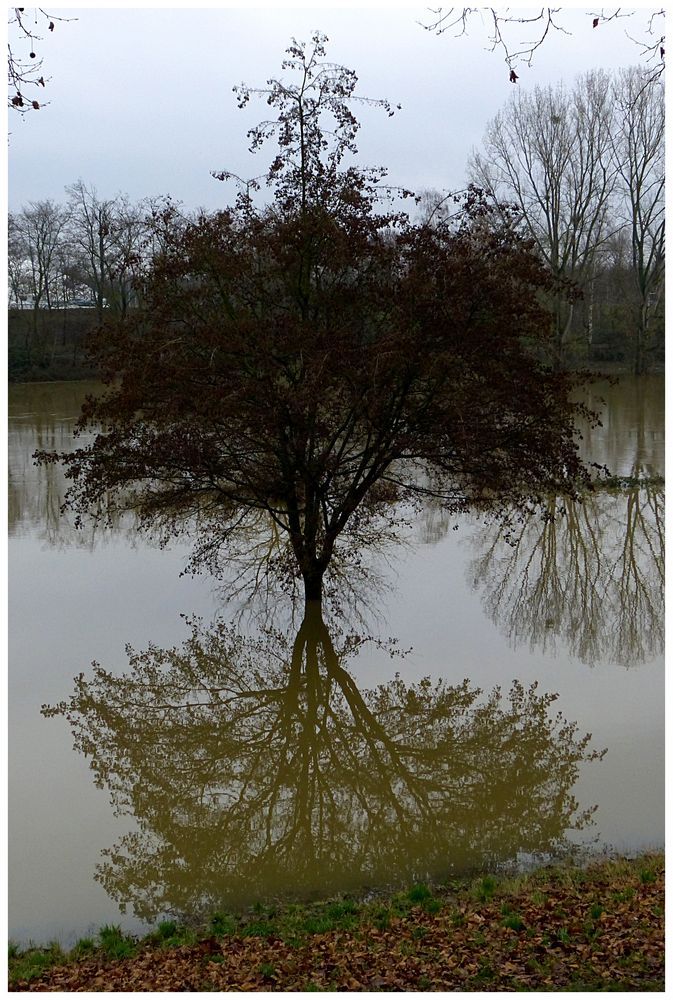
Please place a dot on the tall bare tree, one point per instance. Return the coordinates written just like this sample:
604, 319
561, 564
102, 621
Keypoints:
323, 359
550, 152
17, 258
42, 223
128, 230
90, 231
638, 143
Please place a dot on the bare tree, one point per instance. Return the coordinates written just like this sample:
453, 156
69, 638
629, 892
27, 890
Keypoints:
124, 261
42, 223
90, 231
17, 259
316, 358
107, 234
638, 142
550, 152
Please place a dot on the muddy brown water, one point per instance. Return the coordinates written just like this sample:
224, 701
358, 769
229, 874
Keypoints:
404, 785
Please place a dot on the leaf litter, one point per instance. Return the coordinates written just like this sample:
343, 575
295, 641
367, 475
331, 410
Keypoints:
597, 928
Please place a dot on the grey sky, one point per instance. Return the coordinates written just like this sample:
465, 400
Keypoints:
142, 102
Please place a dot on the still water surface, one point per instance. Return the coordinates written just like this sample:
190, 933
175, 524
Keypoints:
310, 761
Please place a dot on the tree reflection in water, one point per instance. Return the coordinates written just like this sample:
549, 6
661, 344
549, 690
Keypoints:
256, 767
592, 577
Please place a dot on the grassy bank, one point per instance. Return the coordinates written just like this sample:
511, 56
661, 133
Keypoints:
597, 928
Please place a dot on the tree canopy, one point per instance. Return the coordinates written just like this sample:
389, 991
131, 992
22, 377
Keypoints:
316, 359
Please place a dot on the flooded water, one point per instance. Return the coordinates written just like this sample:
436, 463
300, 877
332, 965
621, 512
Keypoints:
214, 765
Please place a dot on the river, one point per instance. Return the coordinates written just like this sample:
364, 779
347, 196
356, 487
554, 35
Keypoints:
574, 605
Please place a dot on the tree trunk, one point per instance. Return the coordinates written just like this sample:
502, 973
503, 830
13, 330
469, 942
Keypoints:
639, 359
313, 585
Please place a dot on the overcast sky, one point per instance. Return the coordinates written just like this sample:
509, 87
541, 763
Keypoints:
141, 99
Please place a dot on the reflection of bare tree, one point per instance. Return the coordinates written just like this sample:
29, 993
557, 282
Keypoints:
43, 417
592, 576
630, 437
253, 768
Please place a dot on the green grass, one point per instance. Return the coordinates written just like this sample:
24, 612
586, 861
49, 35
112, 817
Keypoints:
32, 962
171, 934
485, 889
114, 943
258, 928
222, 925
419, 893
381, 917
167, 929
84, 947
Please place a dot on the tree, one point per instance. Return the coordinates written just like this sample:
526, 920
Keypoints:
322, 360
638, 142
584, 166
17, 257
42, 223
550, 152
128, 232
91, 235
258, 766
107, 235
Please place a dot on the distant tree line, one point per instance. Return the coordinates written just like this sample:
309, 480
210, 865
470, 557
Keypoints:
87, 252
585, 167
68, 266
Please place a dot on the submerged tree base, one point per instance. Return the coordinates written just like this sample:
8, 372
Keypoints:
598, 928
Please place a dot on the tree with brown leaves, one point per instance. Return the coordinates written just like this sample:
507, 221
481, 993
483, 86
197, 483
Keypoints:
319, 360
